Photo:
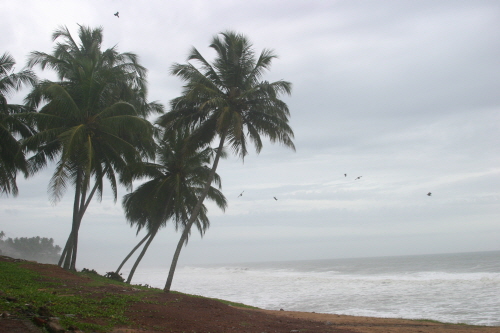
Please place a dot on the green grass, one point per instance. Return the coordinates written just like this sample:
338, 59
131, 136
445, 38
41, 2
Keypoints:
29, 291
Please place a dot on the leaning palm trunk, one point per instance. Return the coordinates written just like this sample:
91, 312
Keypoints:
194, 215
70, 244
80, 205
143, 252
65, 251
131, 253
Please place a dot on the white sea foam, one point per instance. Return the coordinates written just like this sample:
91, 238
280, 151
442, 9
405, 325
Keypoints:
455, 291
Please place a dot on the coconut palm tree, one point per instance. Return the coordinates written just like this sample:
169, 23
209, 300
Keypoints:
12, 127
176, 182
226, 99
91, 121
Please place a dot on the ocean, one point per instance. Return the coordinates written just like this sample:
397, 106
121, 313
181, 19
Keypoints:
454, 288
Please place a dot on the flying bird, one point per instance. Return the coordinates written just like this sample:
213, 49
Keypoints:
345, 174
429, 194
275, 198
240, 194
117, 14
358, 178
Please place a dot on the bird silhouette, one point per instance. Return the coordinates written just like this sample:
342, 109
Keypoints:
358, 178
117, 14
345, 174
240, 194
429, 194
275, 198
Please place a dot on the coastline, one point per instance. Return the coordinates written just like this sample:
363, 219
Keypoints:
381, 325
450, 288
41, 293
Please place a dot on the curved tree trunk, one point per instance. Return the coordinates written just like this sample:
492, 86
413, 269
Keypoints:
72, 266
193, 216
80, 205
63, 253
131, 252
143, 252
177, 253
76, 209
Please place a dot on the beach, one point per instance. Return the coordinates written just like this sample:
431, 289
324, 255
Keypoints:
452, 288
381, 325
177, 312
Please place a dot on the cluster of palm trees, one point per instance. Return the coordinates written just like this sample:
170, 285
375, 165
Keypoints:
93, 124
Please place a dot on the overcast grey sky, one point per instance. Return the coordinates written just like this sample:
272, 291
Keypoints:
405, 94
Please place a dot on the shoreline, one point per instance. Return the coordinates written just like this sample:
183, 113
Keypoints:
363, 324
42, 291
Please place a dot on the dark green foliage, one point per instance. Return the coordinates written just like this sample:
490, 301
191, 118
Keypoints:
227, 99
114, 276
12, 125
91, 122
38, 248
109, 275
176, 181
89, 271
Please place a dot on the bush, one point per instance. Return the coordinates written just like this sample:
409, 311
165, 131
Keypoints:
114, 276
91, 271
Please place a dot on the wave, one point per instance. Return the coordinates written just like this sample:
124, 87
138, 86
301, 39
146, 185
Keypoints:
452, 293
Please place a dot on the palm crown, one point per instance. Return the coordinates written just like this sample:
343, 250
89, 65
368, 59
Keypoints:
12, 126
227, 97
90, 121
175, 182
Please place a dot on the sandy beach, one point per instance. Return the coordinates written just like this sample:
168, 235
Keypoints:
381, 325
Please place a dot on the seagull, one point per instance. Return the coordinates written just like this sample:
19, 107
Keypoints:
240, 194
358, 178
117, 14
275, 198
429, 194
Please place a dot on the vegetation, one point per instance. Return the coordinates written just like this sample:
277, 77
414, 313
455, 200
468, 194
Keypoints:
226, 99
175, 183
12, 127
38, 248
88, 302
28, 294
91, 121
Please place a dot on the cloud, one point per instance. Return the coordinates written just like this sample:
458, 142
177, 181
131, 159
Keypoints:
404, 94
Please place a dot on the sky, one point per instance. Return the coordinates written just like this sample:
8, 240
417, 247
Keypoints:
404, 94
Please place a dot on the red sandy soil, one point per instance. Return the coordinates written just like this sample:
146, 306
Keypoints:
173, 312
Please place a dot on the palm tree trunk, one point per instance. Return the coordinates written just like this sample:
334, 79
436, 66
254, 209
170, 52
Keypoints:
193, 216
68, 255
143, 252
64, 252
131, 252
76, 208
72, 266
69, 252
79, 217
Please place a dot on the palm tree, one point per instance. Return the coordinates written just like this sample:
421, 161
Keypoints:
12, 126
228, 100
91, 121
175, 183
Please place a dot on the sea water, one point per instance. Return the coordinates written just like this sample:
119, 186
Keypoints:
454, 288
